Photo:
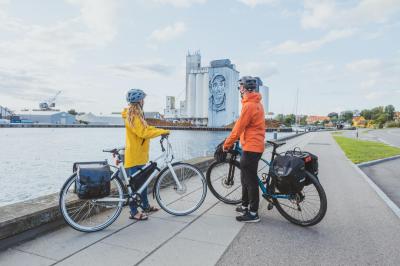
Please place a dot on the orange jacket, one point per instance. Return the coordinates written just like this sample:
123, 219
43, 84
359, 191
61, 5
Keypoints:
250, 126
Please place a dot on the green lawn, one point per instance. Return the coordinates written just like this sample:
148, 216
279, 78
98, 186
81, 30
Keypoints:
359, 151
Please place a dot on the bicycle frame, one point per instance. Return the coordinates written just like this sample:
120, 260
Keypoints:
264, 188
167, 156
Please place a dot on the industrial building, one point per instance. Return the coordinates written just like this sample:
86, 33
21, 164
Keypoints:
212, 96
92, 119
114, 119
211, 92
264, 91
47, 117
170, 111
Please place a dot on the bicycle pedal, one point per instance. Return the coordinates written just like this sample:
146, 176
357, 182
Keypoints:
270, 206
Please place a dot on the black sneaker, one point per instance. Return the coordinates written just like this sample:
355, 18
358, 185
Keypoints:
242, 209
248, 218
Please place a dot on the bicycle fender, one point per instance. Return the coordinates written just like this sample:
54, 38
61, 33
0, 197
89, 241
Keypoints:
158, 177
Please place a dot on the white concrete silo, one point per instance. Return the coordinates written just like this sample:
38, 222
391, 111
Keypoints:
199, 95
205, 95
191, 97
264, 91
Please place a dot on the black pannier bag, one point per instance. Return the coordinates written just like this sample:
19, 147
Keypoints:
310, 160
140, 178
289, 174
93, 181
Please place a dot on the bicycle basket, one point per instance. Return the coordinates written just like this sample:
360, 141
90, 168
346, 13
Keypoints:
93, 180
289, 174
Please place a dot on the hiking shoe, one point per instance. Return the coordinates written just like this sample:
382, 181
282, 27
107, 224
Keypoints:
242, 209
247, 217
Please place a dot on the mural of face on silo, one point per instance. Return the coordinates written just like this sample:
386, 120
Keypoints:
217, 89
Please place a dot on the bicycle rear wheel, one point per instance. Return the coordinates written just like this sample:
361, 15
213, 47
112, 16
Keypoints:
223, 179
306, 208
184, 200
90, 215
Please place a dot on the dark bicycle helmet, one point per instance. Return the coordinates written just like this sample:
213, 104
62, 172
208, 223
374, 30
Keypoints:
135, 95
248, 82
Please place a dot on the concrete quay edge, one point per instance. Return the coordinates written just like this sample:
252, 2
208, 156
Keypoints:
26, 220
192, 128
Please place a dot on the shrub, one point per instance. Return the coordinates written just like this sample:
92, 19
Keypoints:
393, 124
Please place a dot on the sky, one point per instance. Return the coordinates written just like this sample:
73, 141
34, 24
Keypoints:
339, 54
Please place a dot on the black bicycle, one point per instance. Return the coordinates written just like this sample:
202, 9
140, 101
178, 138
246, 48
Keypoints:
305, 208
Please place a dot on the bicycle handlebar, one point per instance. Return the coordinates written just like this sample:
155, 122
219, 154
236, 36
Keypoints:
163, 137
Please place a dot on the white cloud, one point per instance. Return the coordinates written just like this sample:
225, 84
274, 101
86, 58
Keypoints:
168, 33
99, 16
254, 3
378, 79
258, 69
316, 68
36, 60
365, 65
290, 46
327, 14
142, 70
180, 3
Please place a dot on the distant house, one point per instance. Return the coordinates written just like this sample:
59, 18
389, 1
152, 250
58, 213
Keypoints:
359, 121
396, 116
312, 119
47, 117
153, 115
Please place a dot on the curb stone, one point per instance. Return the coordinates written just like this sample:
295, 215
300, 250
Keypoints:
374, 162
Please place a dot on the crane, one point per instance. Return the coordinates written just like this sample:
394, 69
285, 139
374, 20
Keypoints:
50, 103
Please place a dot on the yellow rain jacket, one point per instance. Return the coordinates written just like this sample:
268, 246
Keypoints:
138, 141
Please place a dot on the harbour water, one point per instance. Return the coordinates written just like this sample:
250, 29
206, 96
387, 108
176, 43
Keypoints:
36, 161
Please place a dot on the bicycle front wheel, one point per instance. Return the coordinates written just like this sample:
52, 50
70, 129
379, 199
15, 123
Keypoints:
188, 197
94, 214
223, 179
306, 208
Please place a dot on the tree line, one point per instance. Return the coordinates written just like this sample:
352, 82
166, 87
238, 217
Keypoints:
379, 117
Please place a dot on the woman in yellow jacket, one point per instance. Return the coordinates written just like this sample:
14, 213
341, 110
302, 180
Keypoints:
138, 135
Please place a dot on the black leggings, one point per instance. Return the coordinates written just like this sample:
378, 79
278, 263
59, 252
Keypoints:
250, 193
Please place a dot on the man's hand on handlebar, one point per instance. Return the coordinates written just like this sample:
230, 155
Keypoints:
224, 149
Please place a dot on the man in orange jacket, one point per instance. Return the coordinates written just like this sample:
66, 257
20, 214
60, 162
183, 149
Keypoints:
250, 127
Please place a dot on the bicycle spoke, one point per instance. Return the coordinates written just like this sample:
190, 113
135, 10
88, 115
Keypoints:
89, 215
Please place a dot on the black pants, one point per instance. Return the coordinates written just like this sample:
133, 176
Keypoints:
250, 193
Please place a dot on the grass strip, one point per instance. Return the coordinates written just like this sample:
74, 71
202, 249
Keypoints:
359, 151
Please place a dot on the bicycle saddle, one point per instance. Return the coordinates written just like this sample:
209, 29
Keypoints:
276, 144
115, 150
